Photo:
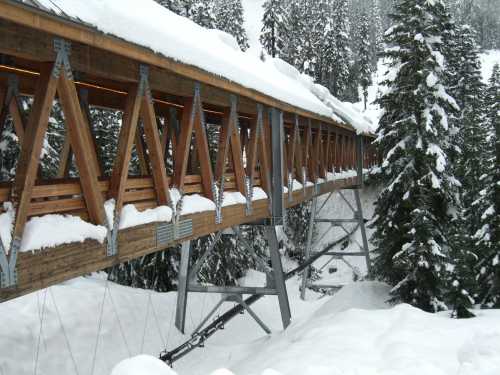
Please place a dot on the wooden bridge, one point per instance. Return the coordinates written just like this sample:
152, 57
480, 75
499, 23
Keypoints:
166, 105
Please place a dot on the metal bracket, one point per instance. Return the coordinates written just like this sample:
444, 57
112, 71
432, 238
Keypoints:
144, 89
112, 237
63, 49
248, 196
290, 187
8, 272
169, 232
304, 179
218, 193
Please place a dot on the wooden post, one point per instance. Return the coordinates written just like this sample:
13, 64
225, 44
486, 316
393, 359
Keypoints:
152, 136
82, 148
193, 120
32, 145
125, 142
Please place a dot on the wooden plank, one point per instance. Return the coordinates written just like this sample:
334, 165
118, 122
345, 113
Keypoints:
17, 118
251, 151
237, 157
223, 145
3, 108
140, 149
158, 168
127, 134
32, 146
65, 158
82, 149
207, 177
184, 143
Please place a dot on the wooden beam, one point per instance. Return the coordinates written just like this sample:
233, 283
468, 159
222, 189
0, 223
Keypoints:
141, 152
77, 130
184, 143
65, 158
32, 146
119, 175
158, 169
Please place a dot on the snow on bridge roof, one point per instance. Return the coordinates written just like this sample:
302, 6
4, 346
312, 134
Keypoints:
150, 25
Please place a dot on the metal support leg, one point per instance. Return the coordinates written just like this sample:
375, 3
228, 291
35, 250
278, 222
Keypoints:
182, 289
279, 279
359, 214
310, 231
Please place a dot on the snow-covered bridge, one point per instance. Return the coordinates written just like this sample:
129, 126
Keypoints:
282, 139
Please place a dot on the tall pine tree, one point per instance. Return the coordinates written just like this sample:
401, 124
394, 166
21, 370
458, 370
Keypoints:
413, 208
273, 33
488, 205
230, 18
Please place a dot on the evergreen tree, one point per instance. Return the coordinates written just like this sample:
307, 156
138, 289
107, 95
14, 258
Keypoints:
488, 205
470, 165
274, 30
342, 55
176, 6
376, 33
295, 40
412, 211
364, 58
230, 18
202, 12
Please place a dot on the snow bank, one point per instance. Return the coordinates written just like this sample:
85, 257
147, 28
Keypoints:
258, 193
131, 216
55, 230
192, 203
233, 197
142, 365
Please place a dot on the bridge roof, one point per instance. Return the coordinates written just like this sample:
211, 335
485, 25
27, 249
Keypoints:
168, 36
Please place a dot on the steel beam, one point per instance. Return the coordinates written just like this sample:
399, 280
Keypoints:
182, 288
277, 142
307, 254
279, 278
197, 288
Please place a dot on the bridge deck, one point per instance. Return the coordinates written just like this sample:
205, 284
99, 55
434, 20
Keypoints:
166, 108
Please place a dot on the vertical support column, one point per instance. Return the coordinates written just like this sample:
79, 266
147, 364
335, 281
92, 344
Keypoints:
182, 288
279, 278
277, 142
359, 159
360, 217
305, 274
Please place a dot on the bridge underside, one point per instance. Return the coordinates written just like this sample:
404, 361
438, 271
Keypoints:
166, 108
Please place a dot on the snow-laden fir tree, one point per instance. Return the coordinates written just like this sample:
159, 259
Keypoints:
342, 54
295, 40
230, 18
470, 165
413, 210
376, 32
488, 205
364, 59
176, 6
274, 32
202, 12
